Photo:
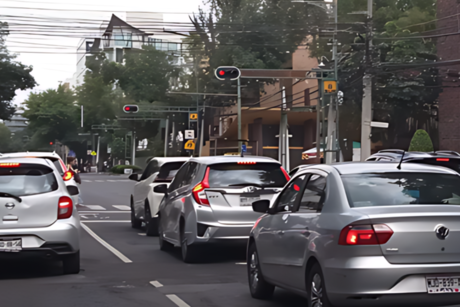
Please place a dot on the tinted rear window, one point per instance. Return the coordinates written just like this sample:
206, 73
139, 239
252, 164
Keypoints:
397, 189
233, 174
27, 179
446, 162
168, 171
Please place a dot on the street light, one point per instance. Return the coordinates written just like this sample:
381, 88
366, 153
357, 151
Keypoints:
322, 64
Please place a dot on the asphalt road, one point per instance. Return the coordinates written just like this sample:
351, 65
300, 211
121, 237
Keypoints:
122, 267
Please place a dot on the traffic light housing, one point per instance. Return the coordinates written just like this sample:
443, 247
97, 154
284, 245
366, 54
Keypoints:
227, 73
131, 109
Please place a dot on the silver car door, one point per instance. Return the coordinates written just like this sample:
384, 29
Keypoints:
271, 242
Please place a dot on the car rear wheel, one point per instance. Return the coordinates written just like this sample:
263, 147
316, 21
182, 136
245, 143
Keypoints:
71, 263
135, 222
259, 288
189, 252
151, 227
317, 295
164, 245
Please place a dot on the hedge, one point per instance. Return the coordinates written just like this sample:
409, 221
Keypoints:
421, 141
120, 169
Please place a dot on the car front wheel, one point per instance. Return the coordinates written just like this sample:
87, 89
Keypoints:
135, 222
151, 227
259, 288
317, 295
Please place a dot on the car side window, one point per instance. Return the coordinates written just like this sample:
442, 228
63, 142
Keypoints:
179, 178
313, 196
287, 199
190, 174
372, 159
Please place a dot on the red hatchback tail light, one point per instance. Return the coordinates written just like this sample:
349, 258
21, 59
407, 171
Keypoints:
365, 235
198, 191
65, 207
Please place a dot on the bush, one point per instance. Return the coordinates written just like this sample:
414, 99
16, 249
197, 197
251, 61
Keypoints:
120, 169
421, 141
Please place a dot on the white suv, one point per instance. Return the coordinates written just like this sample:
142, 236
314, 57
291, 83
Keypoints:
144, 201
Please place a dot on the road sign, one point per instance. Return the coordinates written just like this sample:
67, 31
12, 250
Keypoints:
243, 148
330, 87
93, 153
189, 145
189, 134
379, 125
193, 116
88, 152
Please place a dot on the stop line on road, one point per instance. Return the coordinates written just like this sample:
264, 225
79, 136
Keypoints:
106, 180
100, 208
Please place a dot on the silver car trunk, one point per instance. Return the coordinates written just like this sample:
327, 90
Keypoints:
415, 238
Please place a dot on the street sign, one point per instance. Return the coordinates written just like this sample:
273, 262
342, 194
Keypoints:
379, 125
193, 116
189, 145
93, 153
330, 87
109, 150
88, 152
243, 148
189, 134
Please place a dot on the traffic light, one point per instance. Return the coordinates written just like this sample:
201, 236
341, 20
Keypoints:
228, 73
131, 109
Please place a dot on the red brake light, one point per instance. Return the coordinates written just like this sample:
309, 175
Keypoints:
67, 176
10, 164
198, 191
285, 174
65, 207
365, 235
443, 160
247, 162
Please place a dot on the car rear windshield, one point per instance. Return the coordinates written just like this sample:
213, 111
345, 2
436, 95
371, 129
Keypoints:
398, 189
233, 174
168, 171
27, 179
446, 162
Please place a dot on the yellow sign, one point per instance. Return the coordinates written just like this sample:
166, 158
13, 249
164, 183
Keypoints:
189, 145
330, 87
94, 153
232, 154
193, 116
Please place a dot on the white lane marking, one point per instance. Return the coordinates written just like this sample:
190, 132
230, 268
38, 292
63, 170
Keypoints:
95, 207
83, 216
112, 180
156, 284
142, 234
99, 180
102, 212
176, 300
106, 245
122, 207
106, 221
85, 180
241, 263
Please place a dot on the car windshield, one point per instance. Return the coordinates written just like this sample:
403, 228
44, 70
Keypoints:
397, 189
168, 171
233, 174
27, 179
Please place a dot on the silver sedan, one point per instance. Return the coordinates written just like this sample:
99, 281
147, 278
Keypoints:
361, 234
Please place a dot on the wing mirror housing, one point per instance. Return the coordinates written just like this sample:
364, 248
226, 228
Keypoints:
261, 206
73, 190
134, 177
161, 189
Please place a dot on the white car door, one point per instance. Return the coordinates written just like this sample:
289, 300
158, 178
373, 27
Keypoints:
142, 188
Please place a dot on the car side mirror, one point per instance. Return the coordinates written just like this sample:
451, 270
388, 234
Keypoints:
161, 189
261, 206
134, 177
73, 190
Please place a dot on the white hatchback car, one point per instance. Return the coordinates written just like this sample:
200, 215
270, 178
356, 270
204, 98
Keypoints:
144, 201
67, 176
38, 217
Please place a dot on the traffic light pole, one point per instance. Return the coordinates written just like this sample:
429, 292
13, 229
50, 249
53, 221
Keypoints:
239, 116
166, 136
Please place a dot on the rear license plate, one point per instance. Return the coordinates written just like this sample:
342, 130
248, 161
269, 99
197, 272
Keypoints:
437, 285
11, 245
247, 201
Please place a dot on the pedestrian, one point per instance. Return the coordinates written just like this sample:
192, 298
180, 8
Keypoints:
73, 167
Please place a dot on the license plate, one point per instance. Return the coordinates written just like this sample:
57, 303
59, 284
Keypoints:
11, 245
436, 285
247, 201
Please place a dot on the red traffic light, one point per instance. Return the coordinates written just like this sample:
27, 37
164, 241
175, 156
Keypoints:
51, 143
228, 73
131, 109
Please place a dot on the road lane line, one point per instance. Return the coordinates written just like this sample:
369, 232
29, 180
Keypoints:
142, 234
106, 221
156, 284
95, 207
241, 263
176, 300
122, 207
103, 212
87, 180
105, 244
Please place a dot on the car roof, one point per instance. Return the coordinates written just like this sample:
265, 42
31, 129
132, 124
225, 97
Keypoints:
31, 154
27, 161
164, 160
408, 155
232, 159
348, 168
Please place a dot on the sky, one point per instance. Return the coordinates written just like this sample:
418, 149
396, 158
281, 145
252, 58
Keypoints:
53, 57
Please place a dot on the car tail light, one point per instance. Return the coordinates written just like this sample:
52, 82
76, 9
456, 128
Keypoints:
10, 164
285, 174
365, 235
67, 176
198, 191
443, 160
247, 162
65, 207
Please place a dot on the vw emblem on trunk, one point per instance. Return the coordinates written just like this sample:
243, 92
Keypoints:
9, 206
442, 232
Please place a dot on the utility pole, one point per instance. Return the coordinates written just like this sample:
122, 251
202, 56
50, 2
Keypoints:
366, 116
166, 136
239, 116
133, 155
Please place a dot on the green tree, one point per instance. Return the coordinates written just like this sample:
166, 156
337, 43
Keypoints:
5, 138
421, 141
13, 76
52, 115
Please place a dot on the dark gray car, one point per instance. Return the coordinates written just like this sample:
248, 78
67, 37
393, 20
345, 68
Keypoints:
210, 201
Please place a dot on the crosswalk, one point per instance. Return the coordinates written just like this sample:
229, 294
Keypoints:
100, 208
107, 180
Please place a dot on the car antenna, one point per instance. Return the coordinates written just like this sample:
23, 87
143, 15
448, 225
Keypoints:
400, 162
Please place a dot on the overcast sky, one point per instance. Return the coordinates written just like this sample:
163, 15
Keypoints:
53, 57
